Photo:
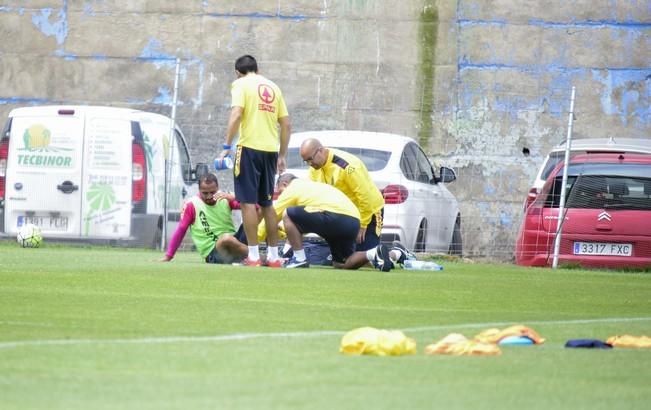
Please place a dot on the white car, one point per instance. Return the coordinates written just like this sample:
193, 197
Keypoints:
584, 146
419, 210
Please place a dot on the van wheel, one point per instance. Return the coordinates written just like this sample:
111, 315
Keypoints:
456, 245
421, 238
157, 239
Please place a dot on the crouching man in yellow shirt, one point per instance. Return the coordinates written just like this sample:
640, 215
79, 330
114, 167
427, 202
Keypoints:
313, 207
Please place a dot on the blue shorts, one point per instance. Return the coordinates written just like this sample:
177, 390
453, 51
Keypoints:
215, 257
340, 231
254, 175
373, 232
240, 235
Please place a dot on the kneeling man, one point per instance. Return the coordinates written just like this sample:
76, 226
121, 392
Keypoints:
314, 207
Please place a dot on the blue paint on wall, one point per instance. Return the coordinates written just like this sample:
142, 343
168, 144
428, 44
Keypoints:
19, 100
506, 219
88, 10
554, 100
264, 16
591, 24
627, 94
153, 52
66, 56
496, 23
57, 28
487, 215
163, 97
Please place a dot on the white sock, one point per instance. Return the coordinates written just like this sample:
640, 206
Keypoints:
299, 255
272, 253
254, 253
370, 254
287, 247
394, 255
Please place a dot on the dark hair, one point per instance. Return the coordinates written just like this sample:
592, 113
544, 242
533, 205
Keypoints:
208, 178
246, 64
286, 177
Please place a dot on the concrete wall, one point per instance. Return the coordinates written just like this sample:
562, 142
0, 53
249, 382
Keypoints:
517, 62
474, 81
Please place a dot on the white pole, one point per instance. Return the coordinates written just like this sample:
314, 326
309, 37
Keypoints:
561, 205
170, 160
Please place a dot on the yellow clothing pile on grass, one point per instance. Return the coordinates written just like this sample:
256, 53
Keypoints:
629, 341
377, 342
484, 344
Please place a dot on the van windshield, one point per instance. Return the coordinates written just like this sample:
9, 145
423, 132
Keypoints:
630, 190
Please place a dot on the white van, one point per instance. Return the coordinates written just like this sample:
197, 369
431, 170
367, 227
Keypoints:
93, 174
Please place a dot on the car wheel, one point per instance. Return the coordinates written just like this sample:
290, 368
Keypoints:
421, 238
456, 245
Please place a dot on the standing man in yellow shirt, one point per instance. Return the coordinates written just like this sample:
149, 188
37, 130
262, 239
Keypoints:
257, 108
349, 174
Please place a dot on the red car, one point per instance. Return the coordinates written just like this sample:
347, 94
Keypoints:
607, 221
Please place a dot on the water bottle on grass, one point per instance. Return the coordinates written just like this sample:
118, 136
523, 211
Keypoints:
413, 264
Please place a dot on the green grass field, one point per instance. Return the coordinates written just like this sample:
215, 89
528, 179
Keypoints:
95, 328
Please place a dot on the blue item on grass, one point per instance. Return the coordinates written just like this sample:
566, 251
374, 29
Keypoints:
516, 341
588, 344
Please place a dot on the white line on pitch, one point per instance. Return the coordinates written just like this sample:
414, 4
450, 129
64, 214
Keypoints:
317, 333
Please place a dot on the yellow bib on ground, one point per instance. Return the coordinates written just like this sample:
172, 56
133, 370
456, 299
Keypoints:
494, 335
377, 342
629, 341
457, 344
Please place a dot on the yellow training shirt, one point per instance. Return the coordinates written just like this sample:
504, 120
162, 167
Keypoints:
349, 174
263, 105
315, 197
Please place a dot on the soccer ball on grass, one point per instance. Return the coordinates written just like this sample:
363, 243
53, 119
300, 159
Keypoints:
29, 236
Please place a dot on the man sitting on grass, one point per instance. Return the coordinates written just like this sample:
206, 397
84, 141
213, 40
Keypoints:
210, 219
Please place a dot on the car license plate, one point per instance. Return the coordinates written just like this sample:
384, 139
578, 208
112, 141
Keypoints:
603, 249
46, 222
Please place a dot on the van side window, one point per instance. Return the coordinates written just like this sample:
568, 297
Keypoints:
184, 158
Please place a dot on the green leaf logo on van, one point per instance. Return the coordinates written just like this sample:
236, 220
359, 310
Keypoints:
39, 153
100, 197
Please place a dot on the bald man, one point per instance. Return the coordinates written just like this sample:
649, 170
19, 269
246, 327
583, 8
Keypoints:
348, 173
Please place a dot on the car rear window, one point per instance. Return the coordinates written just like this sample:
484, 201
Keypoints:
374, 159
624, 187
554, 159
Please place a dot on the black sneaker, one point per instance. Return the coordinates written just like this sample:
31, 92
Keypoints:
382, 260
404, 252
293, 264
